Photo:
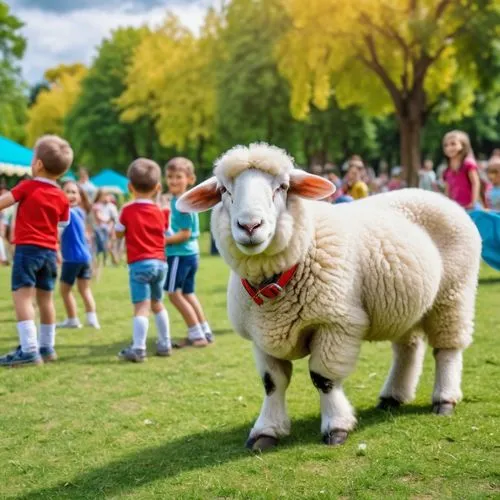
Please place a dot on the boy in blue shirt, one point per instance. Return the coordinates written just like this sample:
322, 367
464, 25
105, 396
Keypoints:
183, 256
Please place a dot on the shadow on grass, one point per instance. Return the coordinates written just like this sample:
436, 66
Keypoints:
193, 452
489, 281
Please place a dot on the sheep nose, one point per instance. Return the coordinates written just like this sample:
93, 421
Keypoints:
250, 227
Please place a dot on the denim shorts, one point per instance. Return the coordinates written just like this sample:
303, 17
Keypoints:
101, 237
147, 278
181, 272
75, 270
34, 266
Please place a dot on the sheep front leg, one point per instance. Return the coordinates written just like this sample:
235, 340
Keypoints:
333, 358
273, 421
447, 392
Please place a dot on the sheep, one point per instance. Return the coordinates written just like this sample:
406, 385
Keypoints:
312, 278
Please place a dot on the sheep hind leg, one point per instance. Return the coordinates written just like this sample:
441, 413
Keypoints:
273, 421
449, 327
402, 381
333, 358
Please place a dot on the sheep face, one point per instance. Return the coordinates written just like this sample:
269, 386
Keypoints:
255, 186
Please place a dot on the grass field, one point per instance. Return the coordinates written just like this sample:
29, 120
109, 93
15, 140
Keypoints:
89, 426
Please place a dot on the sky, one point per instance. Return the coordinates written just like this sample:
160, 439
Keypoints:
67, 31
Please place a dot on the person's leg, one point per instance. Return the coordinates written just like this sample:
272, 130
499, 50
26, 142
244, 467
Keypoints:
25, 315
164, 344
83, 283
188, 293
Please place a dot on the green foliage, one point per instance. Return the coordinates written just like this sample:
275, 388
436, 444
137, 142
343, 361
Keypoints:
93, 125
12, 99
91, 427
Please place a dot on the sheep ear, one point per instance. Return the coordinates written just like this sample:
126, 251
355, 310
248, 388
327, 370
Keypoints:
200, 198
310, 186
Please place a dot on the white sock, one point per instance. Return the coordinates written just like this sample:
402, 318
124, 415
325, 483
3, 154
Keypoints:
195, 332
92, 318
141, 325
27, 335
163, 327
48, 335
206, 328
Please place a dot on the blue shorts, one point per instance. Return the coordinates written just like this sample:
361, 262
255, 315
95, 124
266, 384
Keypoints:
34, 267
101, 237
181, 273
147, 278
73, 270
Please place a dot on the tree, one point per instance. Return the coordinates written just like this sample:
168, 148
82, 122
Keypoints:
93, 125
171, 81
12, 98
390, 55
47, 114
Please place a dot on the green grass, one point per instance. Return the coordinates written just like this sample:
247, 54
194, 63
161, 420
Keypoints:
92, 427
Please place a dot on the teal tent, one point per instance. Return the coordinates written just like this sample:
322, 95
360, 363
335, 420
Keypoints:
112, 181
14, 158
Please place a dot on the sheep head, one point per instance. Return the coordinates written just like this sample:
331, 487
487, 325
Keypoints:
254, 186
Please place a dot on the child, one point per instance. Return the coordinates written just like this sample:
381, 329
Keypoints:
354, 185
143, 225
461, 178
494, 177
395, 182
183, 256
427, 176
42, 208
77, 259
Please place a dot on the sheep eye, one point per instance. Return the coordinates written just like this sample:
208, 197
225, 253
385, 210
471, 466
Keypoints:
284, 187
222, 190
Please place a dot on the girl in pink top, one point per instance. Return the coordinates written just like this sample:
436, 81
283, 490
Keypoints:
461, 177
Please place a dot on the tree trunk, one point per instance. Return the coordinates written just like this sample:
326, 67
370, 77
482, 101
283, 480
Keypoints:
410, 150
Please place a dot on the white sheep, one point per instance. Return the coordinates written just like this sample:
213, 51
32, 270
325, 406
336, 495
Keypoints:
398, 266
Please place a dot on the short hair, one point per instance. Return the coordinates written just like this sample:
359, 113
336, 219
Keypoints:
144, 174
181, 164
494, 163
55, 153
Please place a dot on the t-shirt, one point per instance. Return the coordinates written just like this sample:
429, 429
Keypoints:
178, 222
74, 246
166, 214
493, 198
42, 208
144, 225
427, 179
459, 185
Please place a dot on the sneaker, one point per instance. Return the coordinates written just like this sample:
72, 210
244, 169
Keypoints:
131, 354
20, 358
97, 326
210, 337
67, 323
163, 350
48, 354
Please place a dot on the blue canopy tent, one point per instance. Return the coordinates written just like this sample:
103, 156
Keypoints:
488, 225
111, 181
14, 158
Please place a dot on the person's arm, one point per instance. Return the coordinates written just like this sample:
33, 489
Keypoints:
180, 237
120, 225
6, 200
475, 187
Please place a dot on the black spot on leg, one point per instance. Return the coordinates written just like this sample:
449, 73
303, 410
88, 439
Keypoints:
321, 383
268, 384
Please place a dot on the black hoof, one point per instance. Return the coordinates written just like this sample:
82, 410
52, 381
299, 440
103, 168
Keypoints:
335, 437
444, 408
261, 443
388, 404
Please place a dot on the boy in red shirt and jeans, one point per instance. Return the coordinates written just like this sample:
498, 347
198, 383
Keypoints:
143, 225
43, 207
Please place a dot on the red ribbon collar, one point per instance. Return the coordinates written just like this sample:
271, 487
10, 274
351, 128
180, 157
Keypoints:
271, 290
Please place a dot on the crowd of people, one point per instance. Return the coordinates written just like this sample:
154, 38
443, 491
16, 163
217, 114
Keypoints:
473, 184
77, 227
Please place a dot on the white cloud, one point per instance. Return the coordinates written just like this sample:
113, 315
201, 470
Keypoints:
55, 38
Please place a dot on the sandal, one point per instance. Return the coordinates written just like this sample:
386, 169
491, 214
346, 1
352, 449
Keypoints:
187, 342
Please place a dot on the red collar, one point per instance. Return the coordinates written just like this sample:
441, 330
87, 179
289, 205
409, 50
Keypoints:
271, 290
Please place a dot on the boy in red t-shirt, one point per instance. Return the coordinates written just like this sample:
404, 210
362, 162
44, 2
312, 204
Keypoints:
143, 225
43, 207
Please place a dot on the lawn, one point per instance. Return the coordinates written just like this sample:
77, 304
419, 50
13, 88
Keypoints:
90, 426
